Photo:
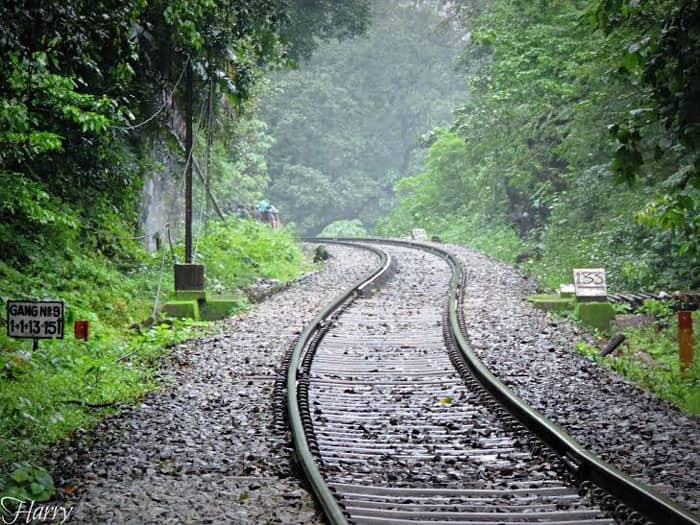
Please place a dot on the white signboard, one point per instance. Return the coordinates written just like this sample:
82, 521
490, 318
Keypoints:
35, 319
419, 234
590, 283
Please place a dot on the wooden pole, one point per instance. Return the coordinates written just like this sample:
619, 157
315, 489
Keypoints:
685, 340
188, 170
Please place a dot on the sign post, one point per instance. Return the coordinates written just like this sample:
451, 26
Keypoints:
418, 234
590, 284
35, 320
685, 340
592, 306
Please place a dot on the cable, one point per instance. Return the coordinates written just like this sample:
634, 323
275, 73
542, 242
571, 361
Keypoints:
136, 238
170, 242
160, 283
201, 226
207, 166
162, 106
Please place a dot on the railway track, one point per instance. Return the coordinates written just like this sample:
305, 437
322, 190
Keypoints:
394, 421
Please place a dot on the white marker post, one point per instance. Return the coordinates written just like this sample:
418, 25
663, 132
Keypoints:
35, 320
418, 234
590, 284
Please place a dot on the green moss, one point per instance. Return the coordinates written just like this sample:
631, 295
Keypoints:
182, 309
215, 308
596, 314
552, 302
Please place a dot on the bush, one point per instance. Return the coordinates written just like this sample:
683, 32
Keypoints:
353, 228
238, 251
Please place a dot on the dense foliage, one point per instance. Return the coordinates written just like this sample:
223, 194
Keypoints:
577, 143
82, 84
345, 124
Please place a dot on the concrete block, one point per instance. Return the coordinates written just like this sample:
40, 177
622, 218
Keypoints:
215, 308
567, 290
552, 302
596, 314
189, 295
182, 309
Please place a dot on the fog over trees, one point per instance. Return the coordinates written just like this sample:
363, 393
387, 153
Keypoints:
347, 123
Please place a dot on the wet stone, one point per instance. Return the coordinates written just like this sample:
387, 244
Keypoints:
382, 378
533, 355
203, 449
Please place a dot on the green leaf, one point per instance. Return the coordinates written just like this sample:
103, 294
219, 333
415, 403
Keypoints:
19, 476
447, 400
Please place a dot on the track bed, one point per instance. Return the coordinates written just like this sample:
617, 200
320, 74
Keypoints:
402, 438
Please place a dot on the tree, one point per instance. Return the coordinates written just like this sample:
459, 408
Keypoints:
544, 94
83, 86
351, 115
664, 132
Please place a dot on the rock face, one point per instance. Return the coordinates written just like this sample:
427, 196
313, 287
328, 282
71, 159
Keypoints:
162, 200
203, 449
533, 354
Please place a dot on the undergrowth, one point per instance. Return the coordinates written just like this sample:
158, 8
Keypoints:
649, 357
68, 384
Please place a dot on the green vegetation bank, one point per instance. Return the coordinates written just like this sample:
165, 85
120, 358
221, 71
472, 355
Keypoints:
577, 142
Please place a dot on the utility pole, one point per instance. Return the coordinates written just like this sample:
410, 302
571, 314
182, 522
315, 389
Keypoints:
189, 161
189, 277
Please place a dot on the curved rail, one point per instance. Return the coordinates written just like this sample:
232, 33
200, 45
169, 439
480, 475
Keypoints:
637, 495
322, 492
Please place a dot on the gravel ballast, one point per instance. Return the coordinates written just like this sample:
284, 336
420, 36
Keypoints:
533, 354
203, 450
391, 415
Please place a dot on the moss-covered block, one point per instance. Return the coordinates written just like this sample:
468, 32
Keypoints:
596, 314
215, 308
552, 302
188, 309
189, 295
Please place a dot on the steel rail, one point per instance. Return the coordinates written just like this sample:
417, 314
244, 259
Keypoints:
321, 490
636, 494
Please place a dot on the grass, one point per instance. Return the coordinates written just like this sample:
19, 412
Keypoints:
659, 369
69, 384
